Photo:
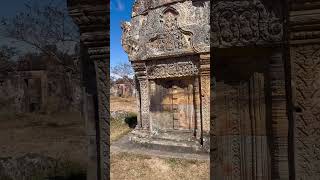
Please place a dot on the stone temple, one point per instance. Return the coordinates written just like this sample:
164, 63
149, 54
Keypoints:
263, 73
168, 44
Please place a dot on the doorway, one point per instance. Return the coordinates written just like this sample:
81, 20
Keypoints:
172, 104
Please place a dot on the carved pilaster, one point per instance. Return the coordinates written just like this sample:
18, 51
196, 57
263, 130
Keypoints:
92, 19
144, 102
305, 60
279, 118
205, 91
306, 78
205, 96
100, 57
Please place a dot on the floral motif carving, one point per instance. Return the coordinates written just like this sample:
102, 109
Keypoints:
241, 23
169, 68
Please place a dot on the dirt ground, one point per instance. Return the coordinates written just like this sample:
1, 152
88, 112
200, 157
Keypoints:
61, 136
124, 104
125, 166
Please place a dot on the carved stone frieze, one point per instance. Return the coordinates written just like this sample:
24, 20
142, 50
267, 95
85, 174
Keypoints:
180, 28
177, 67
244, 23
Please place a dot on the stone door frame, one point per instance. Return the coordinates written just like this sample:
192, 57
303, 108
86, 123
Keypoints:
278, 133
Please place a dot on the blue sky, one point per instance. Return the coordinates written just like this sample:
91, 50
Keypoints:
10, 8
120, 11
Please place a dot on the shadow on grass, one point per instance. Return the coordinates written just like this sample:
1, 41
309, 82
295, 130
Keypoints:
131, 120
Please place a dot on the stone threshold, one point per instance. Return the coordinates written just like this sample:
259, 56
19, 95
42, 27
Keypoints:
160, 148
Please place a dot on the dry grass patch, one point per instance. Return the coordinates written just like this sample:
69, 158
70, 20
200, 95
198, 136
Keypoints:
128, 104
52, 135
127, 166
118, 129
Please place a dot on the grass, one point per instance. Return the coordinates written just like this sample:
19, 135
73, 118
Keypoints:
118, 129
126, 166
55, 135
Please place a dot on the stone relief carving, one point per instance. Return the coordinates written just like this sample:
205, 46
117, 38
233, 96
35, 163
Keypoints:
171, 38
306, 63
241, 23
179, 29
169, 68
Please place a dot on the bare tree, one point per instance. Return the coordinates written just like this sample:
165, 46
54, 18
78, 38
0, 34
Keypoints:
41, 26
6, 54
123, 71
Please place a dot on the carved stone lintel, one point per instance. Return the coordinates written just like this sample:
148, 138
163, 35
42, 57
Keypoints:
173, 67
243, 23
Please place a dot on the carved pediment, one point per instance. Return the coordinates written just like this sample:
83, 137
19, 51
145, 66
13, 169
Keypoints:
242, 23
170, 37
173, 30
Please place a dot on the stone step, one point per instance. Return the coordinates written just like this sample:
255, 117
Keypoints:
175, 135
160, 143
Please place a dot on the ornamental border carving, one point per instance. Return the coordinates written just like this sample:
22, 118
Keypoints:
173, 67
244, 23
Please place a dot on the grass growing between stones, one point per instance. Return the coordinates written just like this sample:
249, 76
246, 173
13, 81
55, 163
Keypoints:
126, 166
118, 129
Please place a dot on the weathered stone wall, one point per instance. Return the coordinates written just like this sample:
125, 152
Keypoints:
305, 74
169, 41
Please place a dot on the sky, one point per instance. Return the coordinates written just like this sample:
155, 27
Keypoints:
120, 11
9, 8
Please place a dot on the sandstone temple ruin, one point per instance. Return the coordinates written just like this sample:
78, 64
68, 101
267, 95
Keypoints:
264, 69
168, 46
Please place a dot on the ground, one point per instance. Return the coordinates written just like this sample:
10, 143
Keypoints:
62, 136
125, 166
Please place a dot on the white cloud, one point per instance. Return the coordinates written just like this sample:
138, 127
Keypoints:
119, 5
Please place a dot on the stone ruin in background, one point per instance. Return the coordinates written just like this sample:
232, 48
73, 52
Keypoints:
168, 44
37, 84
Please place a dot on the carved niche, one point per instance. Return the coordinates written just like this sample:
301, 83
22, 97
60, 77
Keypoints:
242, 23
170, 38
175, 29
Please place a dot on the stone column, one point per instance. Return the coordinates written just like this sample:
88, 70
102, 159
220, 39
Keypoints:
279, 124
205, 96
144, 101
197, 107
93, 21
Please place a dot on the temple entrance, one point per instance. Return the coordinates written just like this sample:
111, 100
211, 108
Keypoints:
172, 104
242, 116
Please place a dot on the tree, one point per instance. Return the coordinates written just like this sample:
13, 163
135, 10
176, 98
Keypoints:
42, 26
123, 71
6, 54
